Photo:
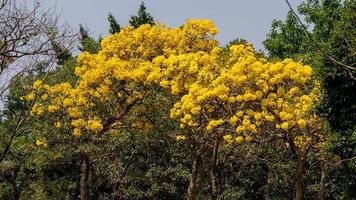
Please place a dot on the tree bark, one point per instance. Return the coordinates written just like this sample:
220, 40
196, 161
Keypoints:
322, 180
85, 177
116, 193
299, 176
16, 193
269, 182
193, 180
213, 176
77, 187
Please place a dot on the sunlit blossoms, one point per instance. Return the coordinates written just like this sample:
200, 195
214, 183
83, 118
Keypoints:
229, 92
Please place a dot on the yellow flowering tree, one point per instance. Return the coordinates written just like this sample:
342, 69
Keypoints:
234, 95
113, 82
249, 99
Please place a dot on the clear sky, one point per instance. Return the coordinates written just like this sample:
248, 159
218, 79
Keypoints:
249, 19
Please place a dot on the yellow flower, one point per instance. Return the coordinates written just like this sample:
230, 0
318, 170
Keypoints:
95, 125
285, 126
239, 113
232, 99
239, 129
77, 133
67, 102
181, 137
30, 97
248, 138
44, 97
239, 139
249, 97
58, 124
81, 101
37, 84
228, 138
252, 128
40, 142
257, 116
196, 110
233, 120
74, 112
246, 122
239, 98
214, 123
302, 123
269, 118
52, 108
78, 123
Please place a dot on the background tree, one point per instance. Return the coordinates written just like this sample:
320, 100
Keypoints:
322, 42
87, 43
29, 44
114, 25
142, 17
32, 42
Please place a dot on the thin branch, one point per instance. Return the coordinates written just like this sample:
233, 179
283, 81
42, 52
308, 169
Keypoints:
344, 160
330, 57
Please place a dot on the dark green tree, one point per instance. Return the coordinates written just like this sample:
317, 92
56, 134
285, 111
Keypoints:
114, 25
142, 17
286, 39
329, 43
326, 40
87, 43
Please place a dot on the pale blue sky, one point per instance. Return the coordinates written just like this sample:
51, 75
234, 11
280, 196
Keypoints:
249, 19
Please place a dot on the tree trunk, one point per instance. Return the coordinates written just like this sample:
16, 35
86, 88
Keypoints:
269, 182
213, 175
322, 180
100, 196
77, 187
85, 177
98, 183
116, 193
16, 193
299, 176
193, 180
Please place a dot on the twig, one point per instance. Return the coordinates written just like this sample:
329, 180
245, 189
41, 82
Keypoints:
317, 44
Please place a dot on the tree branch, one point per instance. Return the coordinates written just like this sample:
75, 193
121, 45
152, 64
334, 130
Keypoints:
317, 45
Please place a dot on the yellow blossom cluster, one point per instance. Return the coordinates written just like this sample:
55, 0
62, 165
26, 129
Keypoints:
181, 137
254, 96
41, 143
218, 89
119, 75
302, 141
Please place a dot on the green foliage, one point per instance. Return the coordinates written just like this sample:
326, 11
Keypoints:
332, 36
142, 17
340, 101
286, 39
114, 25
87, 43
333, 30
30, 171
61, 52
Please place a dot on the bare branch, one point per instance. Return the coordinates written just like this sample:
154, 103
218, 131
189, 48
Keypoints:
30, 38
344, 160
